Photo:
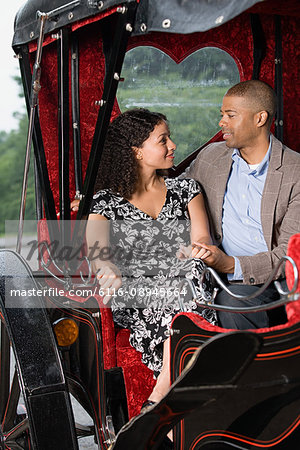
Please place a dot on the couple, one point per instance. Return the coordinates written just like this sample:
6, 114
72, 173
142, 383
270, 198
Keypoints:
252, 194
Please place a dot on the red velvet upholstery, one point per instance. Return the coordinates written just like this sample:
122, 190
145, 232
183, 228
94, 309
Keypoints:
294, 252
139, 381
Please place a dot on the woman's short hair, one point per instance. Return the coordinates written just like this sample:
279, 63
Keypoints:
119, 169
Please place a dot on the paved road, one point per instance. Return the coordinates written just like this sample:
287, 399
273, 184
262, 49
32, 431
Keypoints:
79, 414
82, 418
28, 248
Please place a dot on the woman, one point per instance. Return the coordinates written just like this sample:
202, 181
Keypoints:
142, 219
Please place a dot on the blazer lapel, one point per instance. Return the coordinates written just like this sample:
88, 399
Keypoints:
271, 191
222, 173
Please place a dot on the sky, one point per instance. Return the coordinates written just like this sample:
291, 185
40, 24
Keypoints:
10, 102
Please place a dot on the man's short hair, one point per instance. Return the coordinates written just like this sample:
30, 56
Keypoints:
261, 96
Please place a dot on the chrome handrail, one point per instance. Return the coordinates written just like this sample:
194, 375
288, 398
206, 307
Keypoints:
288, 296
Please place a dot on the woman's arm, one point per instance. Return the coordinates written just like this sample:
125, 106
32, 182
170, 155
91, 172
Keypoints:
199, 227
97, 238
99, 251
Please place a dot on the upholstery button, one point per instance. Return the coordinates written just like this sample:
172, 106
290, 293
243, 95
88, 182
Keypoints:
251, 280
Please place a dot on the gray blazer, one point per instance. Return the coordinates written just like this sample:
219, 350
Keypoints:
280, 206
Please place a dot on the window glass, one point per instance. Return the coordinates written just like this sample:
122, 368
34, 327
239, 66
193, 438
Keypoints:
189, 94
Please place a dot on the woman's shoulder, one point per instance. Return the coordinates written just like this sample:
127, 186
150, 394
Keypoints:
104, 194
188, 184
104, 200
184, 188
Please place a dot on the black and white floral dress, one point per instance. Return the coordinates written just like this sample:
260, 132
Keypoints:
144, 249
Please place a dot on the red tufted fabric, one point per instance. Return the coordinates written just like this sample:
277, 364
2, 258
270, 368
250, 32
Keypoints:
294, 252
139, 381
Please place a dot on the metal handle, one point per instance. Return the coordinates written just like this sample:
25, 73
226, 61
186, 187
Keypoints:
287, 295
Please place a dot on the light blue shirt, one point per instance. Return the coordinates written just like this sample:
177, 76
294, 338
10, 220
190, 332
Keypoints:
241, 223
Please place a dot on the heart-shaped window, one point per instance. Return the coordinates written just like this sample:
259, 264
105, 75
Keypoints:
190, 93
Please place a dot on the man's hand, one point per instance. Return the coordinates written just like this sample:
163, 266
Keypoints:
215, 258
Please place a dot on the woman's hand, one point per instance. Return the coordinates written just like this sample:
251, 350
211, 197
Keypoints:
75, 205
184, 252
110, 280
216, 258
193, 251
199, 251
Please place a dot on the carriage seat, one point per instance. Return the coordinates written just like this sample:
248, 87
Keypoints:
117, 352
137, 376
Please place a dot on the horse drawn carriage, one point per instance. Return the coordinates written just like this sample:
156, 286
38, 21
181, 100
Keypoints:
82, 62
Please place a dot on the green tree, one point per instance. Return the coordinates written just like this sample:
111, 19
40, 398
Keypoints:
12, 157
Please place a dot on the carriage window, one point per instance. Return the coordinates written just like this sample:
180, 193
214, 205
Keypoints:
189, 94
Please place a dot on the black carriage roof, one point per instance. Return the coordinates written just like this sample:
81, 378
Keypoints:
174, 16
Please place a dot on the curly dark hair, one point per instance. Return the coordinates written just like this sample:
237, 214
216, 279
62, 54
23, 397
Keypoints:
119, 169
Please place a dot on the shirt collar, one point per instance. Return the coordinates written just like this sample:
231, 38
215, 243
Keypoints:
263, 165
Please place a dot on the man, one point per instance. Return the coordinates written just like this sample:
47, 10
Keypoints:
252, 187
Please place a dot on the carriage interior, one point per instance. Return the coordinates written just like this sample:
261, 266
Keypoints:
80, 70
